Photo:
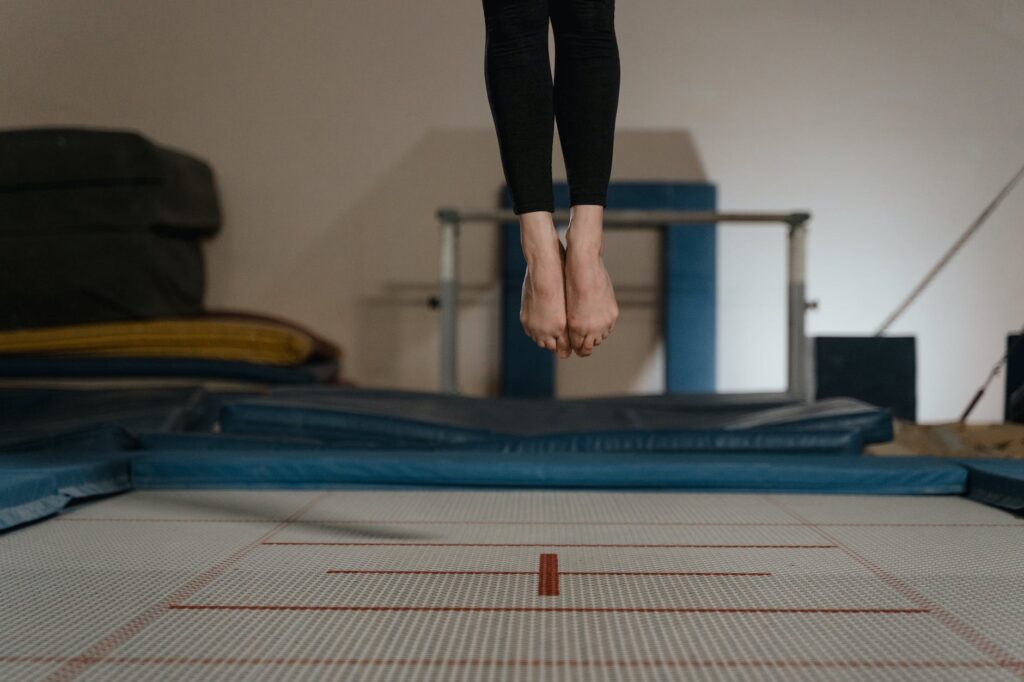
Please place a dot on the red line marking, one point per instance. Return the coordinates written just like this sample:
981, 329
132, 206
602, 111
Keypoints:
87, 519
74, 667
713, 574
372, 572
535, 544
410, 522
523, 663
954, 624
547, 576
606, 573
530, 609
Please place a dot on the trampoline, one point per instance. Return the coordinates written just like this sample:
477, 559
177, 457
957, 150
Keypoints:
631, 558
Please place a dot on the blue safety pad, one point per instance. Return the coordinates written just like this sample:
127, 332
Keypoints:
720, 442
76, 476
874, 424
369, 468
222, 441
339, 411
37, 367
998, 482
338, 427
27, 497
100, 438
57, 420
163, 408
680, 442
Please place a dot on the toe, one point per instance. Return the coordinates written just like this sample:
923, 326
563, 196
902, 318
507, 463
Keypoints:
563, 346
586, 348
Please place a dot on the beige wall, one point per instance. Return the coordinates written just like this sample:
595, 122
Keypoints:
338, 126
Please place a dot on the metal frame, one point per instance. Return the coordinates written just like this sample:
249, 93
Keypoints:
796, 264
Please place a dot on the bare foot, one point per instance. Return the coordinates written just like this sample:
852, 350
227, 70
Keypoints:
542, 312
590, 298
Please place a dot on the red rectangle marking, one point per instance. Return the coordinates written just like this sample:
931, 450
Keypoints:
547, 574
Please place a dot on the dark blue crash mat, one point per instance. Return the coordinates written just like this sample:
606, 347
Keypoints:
26, 497
998, 482
334, 416
35, 485
38, 419
76, 476
305, 468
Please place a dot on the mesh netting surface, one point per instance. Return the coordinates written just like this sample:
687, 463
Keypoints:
516, 585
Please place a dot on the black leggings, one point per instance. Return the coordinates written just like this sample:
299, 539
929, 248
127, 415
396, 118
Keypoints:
524, 101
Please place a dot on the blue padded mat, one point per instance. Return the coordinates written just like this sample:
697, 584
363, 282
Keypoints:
874, 424
27, 497
163, 408
710, 402
75, 476
741, 473
719, 442
221, 441
99, 438
998, 482
264, 418
80, 419
338, 411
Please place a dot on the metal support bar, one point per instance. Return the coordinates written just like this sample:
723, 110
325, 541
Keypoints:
796, 342
449, 296
796, 312
636, 218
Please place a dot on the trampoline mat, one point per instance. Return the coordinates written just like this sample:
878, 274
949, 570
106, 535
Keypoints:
524, 585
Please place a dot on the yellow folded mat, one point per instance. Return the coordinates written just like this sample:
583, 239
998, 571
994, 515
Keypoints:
264, 342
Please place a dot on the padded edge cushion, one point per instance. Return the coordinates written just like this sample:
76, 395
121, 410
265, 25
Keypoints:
335, 412
75, 476
873, 423
725, 442
28, 497
98, 438
777, 473
221, 441
265, 418
998, 482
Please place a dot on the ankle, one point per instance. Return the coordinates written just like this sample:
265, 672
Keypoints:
538, 237
585, 240
586, 229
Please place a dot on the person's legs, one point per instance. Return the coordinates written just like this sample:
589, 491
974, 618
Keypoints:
586, 96
517, 73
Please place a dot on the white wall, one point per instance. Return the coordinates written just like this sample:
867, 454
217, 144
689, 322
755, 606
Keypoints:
337, 127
